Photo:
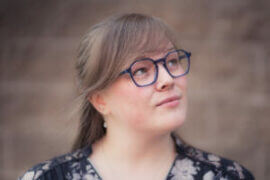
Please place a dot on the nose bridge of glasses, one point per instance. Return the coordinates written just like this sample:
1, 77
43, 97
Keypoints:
163, 63
163, 60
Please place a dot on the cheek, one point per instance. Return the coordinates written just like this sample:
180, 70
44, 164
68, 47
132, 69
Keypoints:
131, 103
181, 83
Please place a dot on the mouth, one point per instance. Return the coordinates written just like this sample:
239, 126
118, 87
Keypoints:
171, 101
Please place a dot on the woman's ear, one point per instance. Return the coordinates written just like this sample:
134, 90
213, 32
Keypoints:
98, 101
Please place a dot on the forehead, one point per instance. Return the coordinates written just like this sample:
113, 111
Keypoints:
153, 53
156, 54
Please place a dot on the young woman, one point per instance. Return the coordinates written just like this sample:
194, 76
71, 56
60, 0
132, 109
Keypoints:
132, 77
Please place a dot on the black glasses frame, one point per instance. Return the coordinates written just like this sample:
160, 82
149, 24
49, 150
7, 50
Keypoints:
155, 62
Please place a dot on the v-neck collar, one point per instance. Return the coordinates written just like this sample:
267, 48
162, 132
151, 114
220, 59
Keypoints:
177, 142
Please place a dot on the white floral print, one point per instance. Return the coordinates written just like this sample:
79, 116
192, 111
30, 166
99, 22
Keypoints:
237, 168
209, 175
28, 175
76, 176
38, 173
184, 170
214, 159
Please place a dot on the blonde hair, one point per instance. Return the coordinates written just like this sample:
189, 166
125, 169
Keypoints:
103, 53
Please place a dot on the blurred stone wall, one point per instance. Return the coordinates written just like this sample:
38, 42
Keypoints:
228, 84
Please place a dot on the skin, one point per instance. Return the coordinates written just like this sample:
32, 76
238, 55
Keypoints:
138, 131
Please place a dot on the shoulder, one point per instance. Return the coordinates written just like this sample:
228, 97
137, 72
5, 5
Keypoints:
210, 165
217, 166
55, 167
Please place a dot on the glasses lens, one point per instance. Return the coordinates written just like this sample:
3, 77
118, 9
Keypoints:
143, 72
177, 63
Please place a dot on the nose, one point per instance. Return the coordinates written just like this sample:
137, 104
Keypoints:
164, 79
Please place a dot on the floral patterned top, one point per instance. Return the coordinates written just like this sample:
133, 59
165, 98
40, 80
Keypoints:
189, 164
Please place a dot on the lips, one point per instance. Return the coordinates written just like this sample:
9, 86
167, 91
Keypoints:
168, 100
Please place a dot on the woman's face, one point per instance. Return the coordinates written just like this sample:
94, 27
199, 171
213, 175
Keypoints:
143, 109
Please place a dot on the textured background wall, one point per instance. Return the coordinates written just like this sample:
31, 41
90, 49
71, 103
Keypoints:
228, 84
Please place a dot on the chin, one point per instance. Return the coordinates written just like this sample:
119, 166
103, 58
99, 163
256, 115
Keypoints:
178, 122
171, 124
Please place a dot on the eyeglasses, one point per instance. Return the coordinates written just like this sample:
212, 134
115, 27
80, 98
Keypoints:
144, 72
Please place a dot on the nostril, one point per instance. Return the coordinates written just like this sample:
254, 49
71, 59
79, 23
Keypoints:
163, 87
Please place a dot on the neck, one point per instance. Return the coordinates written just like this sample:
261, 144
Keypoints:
138, 149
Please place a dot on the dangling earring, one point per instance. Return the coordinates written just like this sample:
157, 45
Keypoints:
105, 124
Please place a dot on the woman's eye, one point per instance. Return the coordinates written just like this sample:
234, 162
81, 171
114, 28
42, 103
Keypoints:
140, 71
173, 62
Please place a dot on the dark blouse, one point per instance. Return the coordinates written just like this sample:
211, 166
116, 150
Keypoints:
189, 164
